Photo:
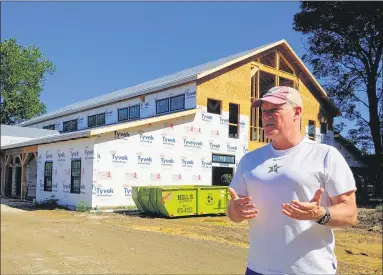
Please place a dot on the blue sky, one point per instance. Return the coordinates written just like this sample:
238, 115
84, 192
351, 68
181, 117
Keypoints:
99, 47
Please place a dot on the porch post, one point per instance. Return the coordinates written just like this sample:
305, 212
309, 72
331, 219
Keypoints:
24, 160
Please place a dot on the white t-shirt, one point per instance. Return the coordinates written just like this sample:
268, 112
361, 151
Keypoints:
278, 243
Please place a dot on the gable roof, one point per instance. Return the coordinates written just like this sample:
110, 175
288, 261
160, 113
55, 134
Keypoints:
179, 78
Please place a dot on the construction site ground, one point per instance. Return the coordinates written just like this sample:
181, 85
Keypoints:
67, 242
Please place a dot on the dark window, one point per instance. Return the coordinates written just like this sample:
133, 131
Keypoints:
223, 159
134, 112
177, 103
96, 120
75, 180
311, 129
123, 114
50, 127
214, 106
70, 125
100, 119
92, 121
48, 176
323, 128
233, 120
162, 106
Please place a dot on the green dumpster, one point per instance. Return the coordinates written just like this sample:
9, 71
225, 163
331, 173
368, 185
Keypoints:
181, 200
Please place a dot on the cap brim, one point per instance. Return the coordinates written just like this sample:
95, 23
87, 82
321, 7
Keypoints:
270, 99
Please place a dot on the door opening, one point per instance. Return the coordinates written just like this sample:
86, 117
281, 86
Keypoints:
18, 181
222, 176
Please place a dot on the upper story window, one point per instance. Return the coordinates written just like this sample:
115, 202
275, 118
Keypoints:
50, 127
96, 120
162, 106
134, 112
213, 106
70, 125
177, 103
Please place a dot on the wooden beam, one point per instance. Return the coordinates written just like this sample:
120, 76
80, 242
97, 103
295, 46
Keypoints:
30, 149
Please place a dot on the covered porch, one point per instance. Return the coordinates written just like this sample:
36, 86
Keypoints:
19, 172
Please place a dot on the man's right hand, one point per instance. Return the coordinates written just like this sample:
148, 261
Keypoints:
240, 208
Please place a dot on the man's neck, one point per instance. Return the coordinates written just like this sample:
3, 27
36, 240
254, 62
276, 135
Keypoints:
287, 143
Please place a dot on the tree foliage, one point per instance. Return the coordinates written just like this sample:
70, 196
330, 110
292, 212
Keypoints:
345, 44
23, 72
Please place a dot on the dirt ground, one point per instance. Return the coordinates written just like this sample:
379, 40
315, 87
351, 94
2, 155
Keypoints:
67, 242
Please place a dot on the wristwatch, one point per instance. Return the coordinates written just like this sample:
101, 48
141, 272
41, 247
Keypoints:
326, 218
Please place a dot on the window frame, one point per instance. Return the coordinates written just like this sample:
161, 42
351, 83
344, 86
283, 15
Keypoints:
50, 127
311, 136
127, 114
160, 100
220, 106
234, 124
177, 96
72, 178
222, 155
71, 122
139, 112
46, 187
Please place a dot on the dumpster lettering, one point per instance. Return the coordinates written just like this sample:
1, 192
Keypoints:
185, 197
185, 210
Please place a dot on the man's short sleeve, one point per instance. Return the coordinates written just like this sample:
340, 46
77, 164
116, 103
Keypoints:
339, 178
238, 182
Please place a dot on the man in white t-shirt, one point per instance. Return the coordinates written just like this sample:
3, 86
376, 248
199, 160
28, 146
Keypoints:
292, 191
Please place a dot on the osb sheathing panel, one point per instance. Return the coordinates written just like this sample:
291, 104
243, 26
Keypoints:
230, 85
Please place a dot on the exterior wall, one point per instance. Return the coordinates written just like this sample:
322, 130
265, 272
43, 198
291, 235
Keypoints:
348, 156
61, 154
148, 108
231, 86
177, 152
32, 177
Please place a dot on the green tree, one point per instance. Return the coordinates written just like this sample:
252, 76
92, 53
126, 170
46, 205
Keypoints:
345, 44
345, 47
23, 72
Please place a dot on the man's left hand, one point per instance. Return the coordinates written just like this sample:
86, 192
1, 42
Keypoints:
305, 210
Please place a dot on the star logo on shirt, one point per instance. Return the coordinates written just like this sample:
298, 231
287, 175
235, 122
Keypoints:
274, 168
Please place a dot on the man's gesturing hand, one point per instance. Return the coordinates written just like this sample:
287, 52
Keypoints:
240, 207
305, 210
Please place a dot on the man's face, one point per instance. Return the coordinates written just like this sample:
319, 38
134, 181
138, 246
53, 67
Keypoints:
277, 120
